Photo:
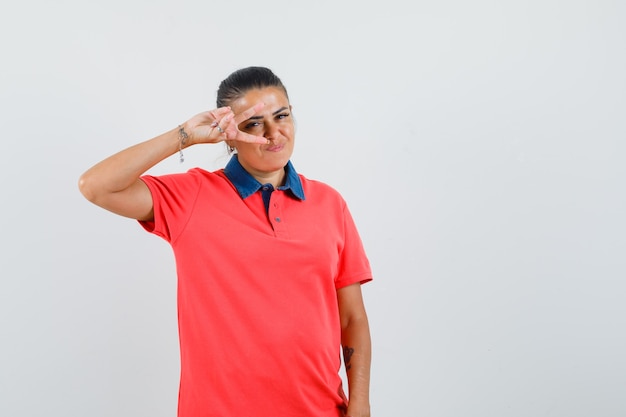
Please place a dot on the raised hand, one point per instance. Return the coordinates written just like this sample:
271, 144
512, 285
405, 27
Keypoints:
220, 125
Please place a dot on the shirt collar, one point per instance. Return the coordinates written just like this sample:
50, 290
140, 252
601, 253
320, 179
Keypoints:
247, 185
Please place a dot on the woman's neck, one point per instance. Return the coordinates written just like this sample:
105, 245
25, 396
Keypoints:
276, 178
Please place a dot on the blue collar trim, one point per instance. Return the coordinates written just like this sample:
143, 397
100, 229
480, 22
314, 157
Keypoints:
247, 185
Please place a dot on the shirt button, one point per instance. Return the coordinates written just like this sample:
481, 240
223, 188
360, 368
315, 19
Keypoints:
277, 219
265, 188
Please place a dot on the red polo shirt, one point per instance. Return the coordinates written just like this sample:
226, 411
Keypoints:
257, 304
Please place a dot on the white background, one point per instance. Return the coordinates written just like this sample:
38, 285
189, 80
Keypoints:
480, 146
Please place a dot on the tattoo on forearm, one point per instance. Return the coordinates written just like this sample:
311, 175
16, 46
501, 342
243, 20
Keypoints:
347, 355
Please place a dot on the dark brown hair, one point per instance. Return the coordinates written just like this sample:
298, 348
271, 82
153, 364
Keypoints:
241, 81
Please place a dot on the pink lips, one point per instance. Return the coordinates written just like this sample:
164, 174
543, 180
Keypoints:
275, 148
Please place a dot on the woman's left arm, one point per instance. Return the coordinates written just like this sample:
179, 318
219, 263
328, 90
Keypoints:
357, 348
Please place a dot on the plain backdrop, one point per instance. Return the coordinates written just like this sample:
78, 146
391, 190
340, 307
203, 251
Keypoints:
480, 146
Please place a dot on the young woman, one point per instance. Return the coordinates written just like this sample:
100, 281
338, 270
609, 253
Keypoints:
269, 262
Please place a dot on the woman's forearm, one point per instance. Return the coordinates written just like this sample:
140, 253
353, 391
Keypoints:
357, 355
121, 170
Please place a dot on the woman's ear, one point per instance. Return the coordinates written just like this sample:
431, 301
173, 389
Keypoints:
293, 119
229, 146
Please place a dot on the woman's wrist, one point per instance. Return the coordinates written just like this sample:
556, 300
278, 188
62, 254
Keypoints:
183, 141
357, 410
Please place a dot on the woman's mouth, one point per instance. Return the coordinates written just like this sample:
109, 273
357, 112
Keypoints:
275, 148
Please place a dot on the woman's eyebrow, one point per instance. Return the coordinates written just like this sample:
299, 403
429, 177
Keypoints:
273, 114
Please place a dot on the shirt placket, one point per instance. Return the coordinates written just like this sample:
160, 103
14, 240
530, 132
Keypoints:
276, 214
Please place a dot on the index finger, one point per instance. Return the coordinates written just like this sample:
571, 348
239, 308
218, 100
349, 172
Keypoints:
219, 112
246, 114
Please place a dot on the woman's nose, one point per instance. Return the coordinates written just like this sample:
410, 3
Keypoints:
271, 131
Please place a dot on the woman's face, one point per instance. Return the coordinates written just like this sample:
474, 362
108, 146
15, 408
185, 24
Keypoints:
274, 122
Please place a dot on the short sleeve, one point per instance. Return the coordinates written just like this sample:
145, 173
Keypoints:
173, 198
354, 266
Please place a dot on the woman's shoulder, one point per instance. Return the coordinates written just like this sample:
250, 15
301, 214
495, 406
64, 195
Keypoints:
319, 189
195, 174
194, 177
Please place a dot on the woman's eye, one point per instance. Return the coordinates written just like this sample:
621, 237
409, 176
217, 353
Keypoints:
252, 125
283, 116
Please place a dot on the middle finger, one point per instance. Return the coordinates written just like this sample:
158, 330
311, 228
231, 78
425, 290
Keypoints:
246, 114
